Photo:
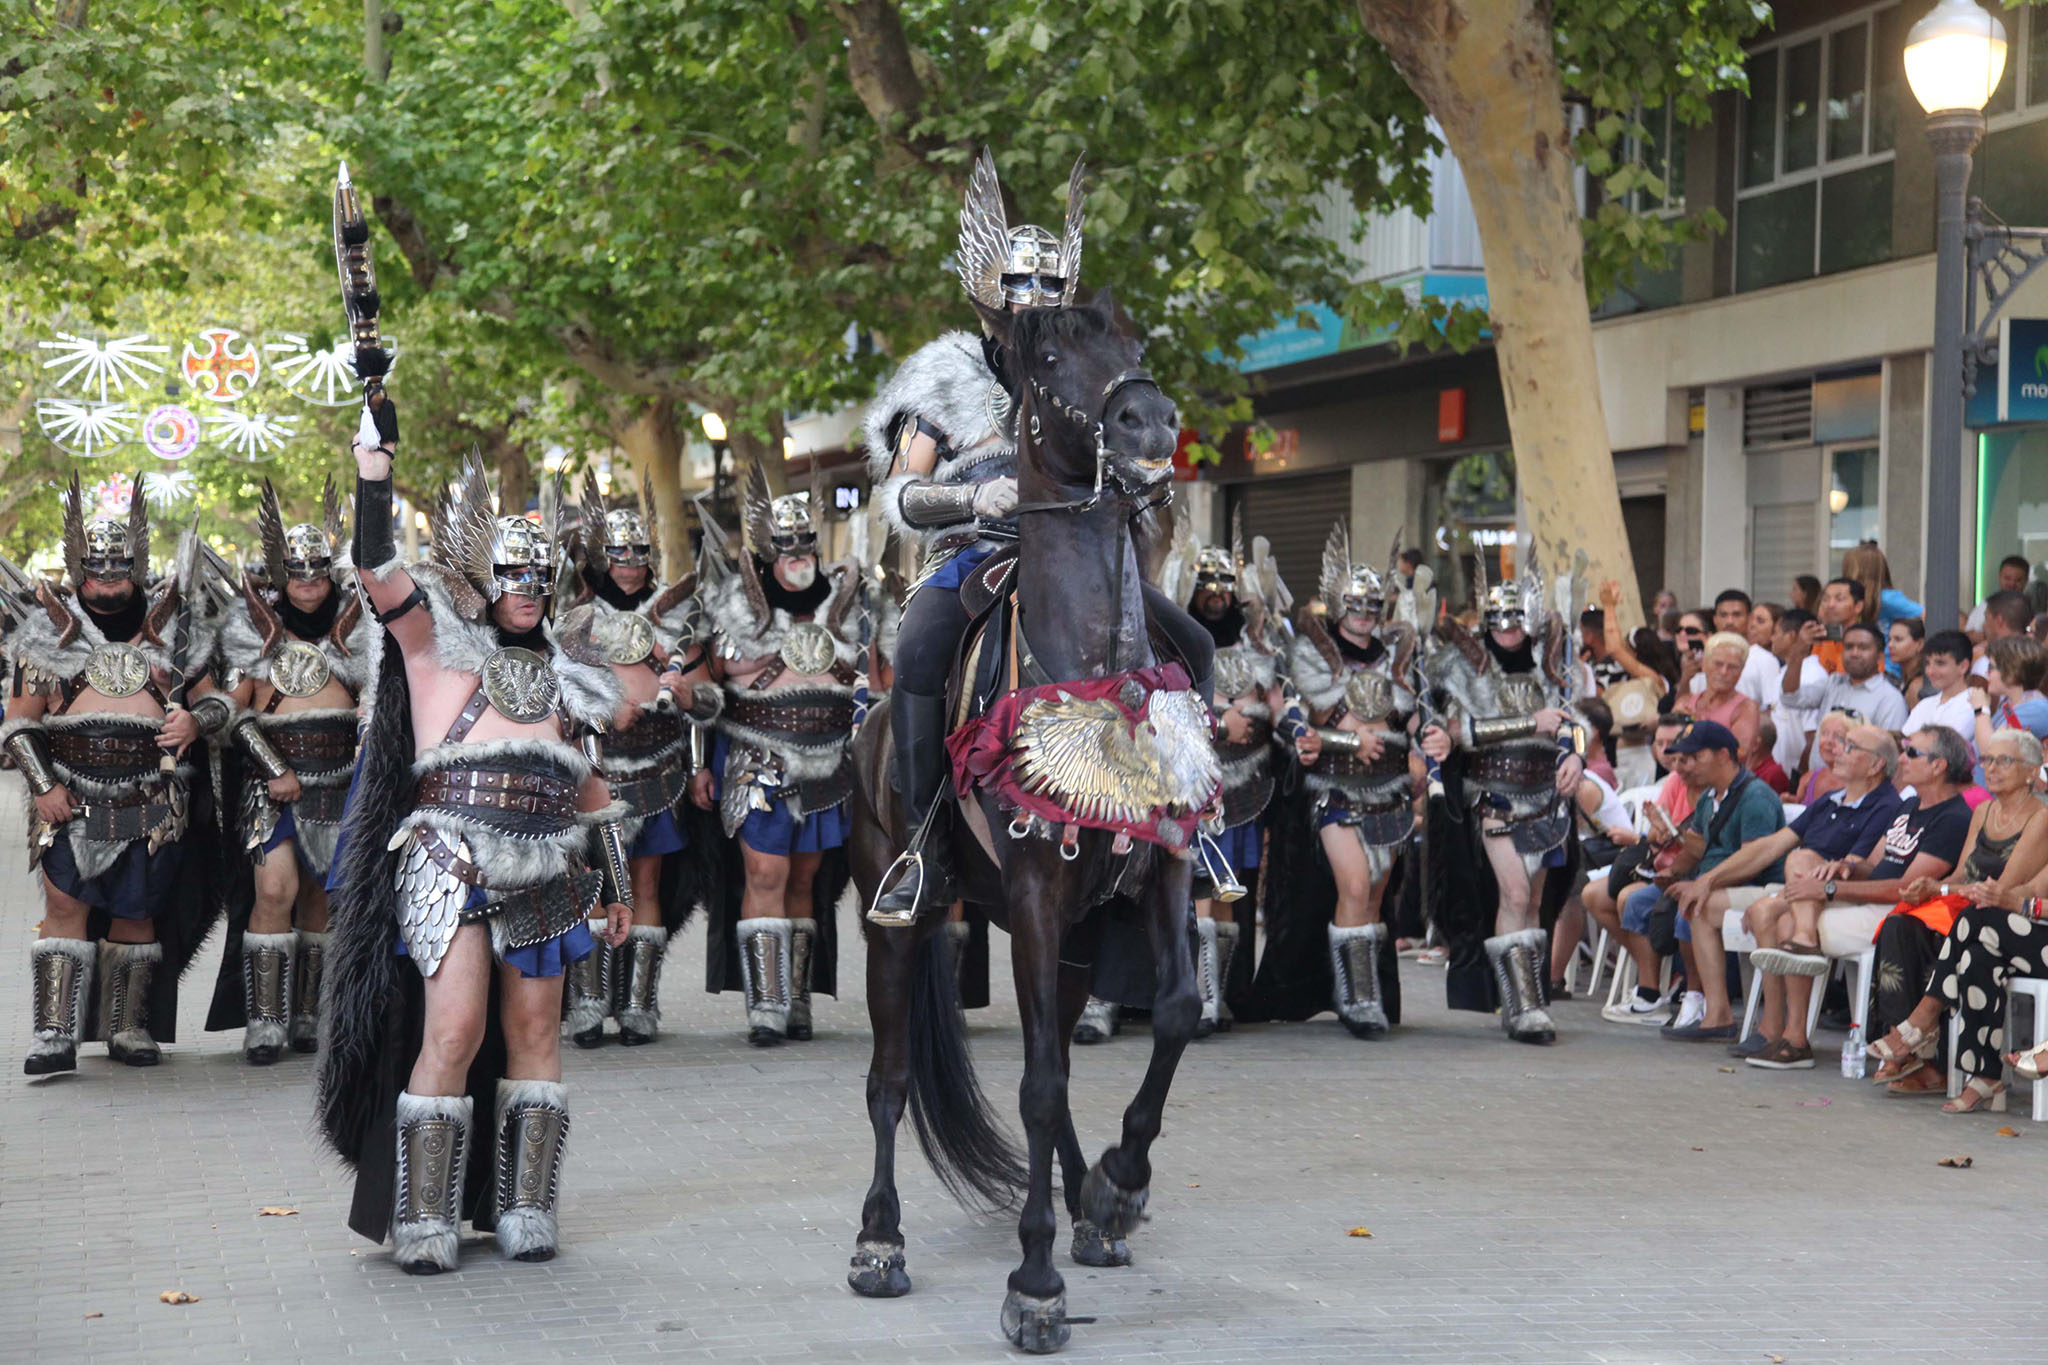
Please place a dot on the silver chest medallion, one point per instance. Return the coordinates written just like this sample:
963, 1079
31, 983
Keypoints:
635, 642
520, 685
808, 648
117, 670
300, 669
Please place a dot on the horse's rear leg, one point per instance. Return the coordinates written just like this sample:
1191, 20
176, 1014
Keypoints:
1091, 1246
1113, 1196
878, 1268
1035, 1310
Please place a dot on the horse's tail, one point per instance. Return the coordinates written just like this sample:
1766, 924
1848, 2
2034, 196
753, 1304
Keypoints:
962, 1138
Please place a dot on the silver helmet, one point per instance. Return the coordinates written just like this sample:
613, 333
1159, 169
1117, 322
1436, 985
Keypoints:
1506, 605
1025, 266
1216, 571
522, 558
490, 555
621, 536
303, 550
777, 526
1349, 588
106, 548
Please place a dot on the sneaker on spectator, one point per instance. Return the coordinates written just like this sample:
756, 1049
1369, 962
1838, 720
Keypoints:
1782, 1056
1691, 1009
1639, 1009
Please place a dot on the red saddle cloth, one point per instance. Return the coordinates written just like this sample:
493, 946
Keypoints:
1129, 753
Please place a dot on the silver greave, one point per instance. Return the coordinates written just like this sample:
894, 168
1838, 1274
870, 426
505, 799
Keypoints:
532, 1128
1355, 967
59, 968
764, 971
590, 988
803, 942
312, 957
1519, 962
958, 932
1226, 949
1208, 973
267, 969
125, 971
1098, 1022
433, 1154
637, 965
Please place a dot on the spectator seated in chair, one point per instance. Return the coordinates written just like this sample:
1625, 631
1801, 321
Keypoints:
1602, 899
1735, 809
1956, 945
1759, 759
1846, 821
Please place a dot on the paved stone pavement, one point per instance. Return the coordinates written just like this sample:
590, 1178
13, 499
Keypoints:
1614, 1198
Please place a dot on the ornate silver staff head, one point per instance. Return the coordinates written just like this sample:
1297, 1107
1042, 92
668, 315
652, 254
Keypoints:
1021, 267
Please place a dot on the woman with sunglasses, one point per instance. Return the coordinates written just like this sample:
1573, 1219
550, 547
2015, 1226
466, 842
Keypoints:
1974, 933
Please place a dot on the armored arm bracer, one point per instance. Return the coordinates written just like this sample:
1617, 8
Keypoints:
213, 712
925, 504
249, 736
1338, 741
611, 840
1501, 729
707, 702
29, 747
374, 547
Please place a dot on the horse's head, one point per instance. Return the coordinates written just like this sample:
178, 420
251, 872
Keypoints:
1088, 404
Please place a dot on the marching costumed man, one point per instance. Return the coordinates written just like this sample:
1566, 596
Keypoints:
108, 681
1503, 732
942, 452
653, 639
460, 891
297, 656
1353, 670
787, 645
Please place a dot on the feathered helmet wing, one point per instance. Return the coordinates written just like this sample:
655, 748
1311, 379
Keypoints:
1026, 265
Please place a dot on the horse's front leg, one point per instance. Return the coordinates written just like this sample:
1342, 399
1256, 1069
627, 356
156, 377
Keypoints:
1035, 1310
878, 1267
1114, 1194
1091, 1246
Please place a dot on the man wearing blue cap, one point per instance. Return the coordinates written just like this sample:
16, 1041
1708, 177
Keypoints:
1734, 808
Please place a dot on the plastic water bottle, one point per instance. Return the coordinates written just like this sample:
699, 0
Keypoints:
1852, 1053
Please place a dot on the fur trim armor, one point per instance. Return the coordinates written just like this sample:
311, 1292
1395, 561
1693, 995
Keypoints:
947, 382
241, 647
742, 634
589, 691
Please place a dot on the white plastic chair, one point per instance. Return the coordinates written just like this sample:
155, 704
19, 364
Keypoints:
1861, 969
2035, 989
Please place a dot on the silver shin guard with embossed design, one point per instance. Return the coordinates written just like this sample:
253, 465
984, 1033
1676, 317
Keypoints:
1098, 1022
637, 963
1226, 949
125, 972
60, 968
764, 971
532, 1128
433, 1153
591, 988
267, 972
1519, 962
1208, 975
1355, 963
803, 941
312, 957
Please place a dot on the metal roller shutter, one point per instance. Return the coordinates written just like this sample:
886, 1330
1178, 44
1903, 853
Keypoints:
1296, 516
1782, 546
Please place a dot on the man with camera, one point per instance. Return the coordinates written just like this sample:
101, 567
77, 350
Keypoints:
1860, 687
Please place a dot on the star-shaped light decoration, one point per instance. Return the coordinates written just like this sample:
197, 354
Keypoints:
87, 430
250, 436
168, 488
106, 366
327, 377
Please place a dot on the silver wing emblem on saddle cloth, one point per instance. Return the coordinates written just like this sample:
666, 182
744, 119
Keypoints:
1088, 757
300, 669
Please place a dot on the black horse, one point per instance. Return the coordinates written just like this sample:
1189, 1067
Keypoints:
1096, 440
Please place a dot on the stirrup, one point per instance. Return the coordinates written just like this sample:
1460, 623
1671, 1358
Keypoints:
910, 862
1218, 869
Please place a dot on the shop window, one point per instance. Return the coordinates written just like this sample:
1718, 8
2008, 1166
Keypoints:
1856, 219
1852, 500
2012, 498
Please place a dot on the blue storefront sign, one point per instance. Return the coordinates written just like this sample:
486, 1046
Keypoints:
1288, 342
2023, 369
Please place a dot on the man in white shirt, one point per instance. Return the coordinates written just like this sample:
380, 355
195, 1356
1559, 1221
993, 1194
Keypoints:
1860, 687
1761, 671
1796, 724
1946, 664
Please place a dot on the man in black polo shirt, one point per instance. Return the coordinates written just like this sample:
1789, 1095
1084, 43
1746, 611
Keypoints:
1839, 825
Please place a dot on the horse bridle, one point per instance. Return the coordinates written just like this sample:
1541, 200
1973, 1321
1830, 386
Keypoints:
1124, 379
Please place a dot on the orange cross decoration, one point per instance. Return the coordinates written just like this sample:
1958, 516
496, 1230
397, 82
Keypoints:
221, 371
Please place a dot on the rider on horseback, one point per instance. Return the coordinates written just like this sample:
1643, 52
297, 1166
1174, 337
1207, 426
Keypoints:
942, 448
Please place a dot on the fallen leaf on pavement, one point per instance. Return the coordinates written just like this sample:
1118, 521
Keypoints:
1194, 1184
1815, 1104
276, 1211
1956, 1163
1777, 1360
1359, 1232
1699, 1149
2008, 1132
1729, 1070
90, 1316
177, 1296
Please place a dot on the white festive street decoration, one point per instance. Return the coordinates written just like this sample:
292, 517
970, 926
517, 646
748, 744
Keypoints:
251, 436
171, 432
327, 377
168, 488
222, 366
108, 366
87, 430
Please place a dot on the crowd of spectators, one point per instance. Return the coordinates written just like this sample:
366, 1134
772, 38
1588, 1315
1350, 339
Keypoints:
1804, 782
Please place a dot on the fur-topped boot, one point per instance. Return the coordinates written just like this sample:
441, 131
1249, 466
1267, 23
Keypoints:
433, 1153
532, 1128
267, 970
126, 970
764, 972
637, 962
61, 969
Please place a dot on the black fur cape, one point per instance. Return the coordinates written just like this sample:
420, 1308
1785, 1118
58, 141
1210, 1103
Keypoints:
719, 868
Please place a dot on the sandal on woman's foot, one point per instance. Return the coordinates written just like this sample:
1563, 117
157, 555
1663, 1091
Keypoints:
2029, 1065
1926, 1081
1978, 1093
1887, 1072
1902, 1042
1434, 956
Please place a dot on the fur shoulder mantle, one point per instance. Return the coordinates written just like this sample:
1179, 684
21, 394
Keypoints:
743, 634
946, 382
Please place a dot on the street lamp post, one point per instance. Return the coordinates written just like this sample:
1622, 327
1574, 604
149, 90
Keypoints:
721, 476
1954, 58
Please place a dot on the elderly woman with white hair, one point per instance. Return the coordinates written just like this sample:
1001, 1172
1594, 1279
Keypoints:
1982, 925
1725, 655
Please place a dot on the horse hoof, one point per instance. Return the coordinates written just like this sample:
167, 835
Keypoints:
1112, 1209
1093, 1247
878, 1271
1038, 1326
